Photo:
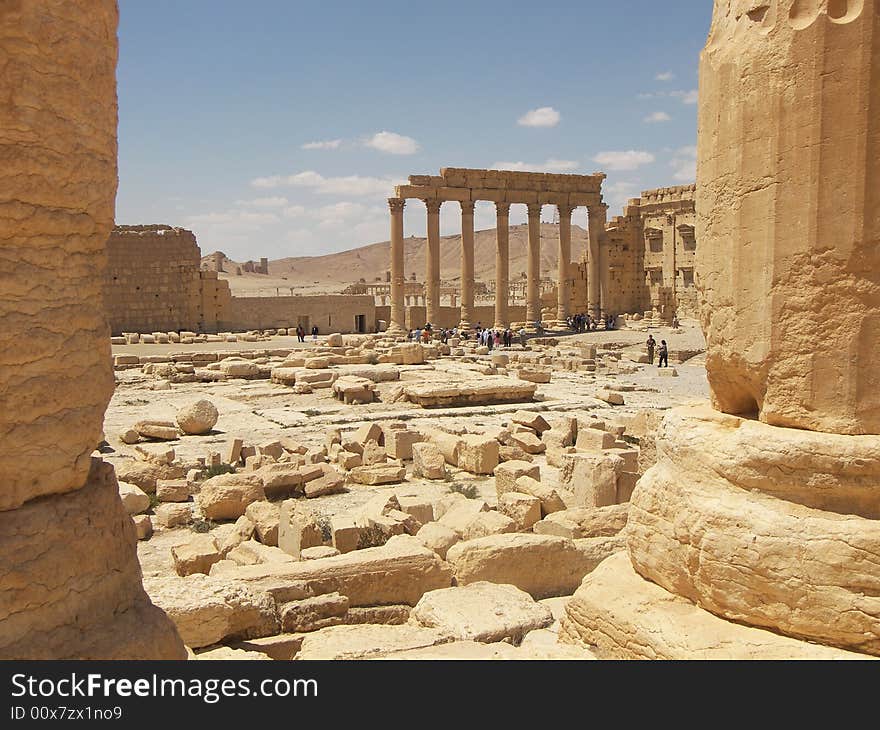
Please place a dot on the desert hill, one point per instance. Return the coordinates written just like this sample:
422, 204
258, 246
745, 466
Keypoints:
333, 272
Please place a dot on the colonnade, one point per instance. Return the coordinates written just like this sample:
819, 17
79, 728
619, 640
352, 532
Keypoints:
597, 266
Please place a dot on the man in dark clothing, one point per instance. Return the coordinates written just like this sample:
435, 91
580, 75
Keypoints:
664, 355
651, 344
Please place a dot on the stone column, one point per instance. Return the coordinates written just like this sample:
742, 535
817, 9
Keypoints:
397, 326
533, 272
502, 264
71, 582
603, 261
596, 225
467, 264
563, 295
432, 262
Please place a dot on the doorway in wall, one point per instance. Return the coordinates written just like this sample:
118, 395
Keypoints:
360, 323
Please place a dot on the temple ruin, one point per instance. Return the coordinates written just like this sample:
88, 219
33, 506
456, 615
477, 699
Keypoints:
364, 495
465, 187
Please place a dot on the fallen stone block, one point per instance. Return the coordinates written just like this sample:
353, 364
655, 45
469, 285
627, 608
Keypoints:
311, 614
366, 641
226, 497
523, 509
399, 572
542, 565
143, 525
609, 396
508, 472
173, 490
437, 537
299, 527
377, 474
486, 523
251, 552
159, 430
207, 610
197, 418
482, 611
487, 391
478, 454
173, 514
583, 522
265, 517
528, 442
134, 499
197, 555
591, 477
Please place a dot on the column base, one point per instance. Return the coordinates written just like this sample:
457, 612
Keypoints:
396, 332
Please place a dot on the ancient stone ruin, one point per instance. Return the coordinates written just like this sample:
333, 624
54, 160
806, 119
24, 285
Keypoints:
360, 495
758, 538
68, 567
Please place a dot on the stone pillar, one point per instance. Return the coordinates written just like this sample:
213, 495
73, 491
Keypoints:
502, 264
789, 273
563, 295
533, 272
432, 262
467, 264
596, 226
71, 582
771, 522
397, 325
602, 213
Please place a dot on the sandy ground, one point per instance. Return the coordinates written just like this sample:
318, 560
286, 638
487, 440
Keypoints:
260, 411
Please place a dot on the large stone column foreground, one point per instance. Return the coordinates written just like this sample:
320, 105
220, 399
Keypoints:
788, 212
70, 582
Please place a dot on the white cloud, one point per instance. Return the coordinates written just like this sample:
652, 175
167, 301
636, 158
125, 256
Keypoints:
617, 194
687, 97
656, 117
665, 76
545, 116
330, 144
278, 202
345, 185
550, 165
245, 218
623, 160
393, 143
685, 164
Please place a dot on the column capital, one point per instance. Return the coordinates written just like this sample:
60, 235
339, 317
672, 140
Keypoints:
534, 209
502, 208
433, 206
396, 204
467, 206
566, 210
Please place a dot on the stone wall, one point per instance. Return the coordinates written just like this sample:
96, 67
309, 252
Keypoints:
331, 312
651, 250
152, 281
68, 564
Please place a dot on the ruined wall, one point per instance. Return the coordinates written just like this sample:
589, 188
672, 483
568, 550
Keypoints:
669, 243
332, 313
788, 205
68, 563
154, 283
152, 280
627, 289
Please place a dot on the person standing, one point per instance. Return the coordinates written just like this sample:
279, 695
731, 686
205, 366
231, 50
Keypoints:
663, 361
315, 333
651, 344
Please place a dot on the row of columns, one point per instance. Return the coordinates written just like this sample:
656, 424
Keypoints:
595, 254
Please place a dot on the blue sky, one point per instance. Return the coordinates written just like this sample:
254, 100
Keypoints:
278, 128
